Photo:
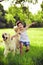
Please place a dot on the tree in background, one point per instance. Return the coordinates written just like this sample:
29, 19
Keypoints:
22, 13
15, 13
2, 18
31, 1
42, 6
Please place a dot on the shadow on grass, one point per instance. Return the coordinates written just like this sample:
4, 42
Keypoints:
33, 57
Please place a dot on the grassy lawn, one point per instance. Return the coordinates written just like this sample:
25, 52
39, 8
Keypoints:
33, 57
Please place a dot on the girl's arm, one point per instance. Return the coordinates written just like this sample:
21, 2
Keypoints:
13, 36
18, 33
27, 26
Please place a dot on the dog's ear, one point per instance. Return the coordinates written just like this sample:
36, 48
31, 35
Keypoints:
15, 27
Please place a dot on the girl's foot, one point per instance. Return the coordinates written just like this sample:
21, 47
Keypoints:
27, 50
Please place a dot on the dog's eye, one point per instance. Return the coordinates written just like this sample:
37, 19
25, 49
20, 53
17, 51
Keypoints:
5, 33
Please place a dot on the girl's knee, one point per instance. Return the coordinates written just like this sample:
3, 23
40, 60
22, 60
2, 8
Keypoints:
21, 45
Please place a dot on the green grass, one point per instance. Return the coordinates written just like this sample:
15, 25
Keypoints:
33, 57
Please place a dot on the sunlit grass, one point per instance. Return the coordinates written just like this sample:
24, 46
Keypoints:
36, 36
34, 56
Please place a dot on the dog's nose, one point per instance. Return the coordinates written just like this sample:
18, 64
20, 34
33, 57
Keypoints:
6, 37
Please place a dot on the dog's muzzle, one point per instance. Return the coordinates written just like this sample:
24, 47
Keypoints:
4, 38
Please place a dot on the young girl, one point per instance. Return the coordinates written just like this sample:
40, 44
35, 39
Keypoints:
24, 40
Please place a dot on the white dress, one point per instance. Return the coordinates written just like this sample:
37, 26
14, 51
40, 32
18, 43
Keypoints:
24, 37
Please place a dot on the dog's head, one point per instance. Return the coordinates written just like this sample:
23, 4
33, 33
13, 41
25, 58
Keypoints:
5, 36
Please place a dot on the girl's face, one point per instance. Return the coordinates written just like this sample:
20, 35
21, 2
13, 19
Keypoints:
20, 25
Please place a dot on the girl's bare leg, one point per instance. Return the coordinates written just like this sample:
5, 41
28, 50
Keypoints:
21, 48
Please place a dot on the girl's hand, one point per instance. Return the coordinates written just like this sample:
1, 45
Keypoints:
12, 37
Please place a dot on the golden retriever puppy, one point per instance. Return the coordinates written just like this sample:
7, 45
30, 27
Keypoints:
10, 44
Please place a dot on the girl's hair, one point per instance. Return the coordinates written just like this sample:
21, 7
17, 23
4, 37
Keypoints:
18, 22
23, 23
